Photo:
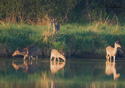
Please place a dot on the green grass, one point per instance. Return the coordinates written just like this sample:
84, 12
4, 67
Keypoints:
74, 39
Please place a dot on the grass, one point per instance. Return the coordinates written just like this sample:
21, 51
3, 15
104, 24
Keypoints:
74, 39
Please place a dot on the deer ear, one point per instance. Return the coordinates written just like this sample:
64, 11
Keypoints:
17, 48
55, 18
117, 41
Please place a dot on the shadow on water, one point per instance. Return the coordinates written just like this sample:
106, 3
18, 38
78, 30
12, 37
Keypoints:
87, 73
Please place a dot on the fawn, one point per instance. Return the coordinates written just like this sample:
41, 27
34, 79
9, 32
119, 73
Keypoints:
27, 52
111, 52
55, 53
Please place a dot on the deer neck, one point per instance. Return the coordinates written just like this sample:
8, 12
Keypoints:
22, 53
115, 49
53, 26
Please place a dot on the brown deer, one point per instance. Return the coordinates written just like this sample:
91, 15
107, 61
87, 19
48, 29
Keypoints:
111, 69
26, 66
27, 52
111, 52
56, 66
56, 54
56, 26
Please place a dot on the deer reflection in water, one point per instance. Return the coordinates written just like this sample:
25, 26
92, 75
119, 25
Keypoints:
27, 66
111, 69
56, 66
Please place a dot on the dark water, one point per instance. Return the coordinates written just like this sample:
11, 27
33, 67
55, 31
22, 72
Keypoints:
74, 73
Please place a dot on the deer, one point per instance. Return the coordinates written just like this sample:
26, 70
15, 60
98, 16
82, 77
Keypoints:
56, 55
111, 69
111, 52
56, 25
29, 52
56, 66
26, 66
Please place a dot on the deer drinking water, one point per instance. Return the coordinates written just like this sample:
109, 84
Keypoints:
27, 52
55, 53
56, 25
111, 52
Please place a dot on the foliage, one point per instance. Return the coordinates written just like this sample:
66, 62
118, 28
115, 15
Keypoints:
72, 39
32, 11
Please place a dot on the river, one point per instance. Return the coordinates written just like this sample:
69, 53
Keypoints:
74, 73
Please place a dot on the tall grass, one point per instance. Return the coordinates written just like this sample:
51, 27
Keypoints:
74, 39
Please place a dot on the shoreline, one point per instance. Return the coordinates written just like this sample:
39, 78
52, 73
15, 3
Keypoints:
74, 40
71, 57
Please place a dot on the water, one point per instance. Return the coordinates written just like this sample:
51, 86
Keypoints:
74, 73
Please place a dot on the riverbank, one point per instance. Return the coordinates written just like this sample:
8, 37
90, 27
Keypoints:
75, 40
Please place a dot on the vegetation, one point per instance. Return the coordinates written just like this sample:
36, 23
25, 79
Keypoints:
33, 11
87, 26
73, 39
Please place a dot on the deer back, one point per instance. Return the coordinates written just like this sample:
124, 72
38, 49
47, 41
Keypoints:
56, 53
32, 51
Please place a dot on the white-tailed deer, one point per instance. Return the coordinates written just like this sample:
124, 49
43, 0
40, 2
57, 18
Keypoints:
26, 66
111, 52
27, 52
56, 66
111, 69
56, 25
56, 55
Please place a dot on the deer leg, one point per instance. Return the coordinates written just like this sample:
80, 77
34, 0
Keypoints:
36, 57
107, 57
29, 57
114, 58
32, 57
110, 58
24, 57
58, 59
50, 58
54, 58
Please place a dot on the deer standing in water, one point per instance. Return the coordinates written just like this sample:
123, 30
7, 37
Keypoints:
111, 52
56, 25
55, 53
27, 52
111, 69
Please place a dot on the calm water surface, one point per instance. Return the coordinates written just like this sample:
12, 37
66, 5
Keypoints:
74, 73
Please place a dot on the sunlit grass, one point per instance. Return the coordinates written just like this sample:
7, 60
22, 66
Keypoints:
74, 39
